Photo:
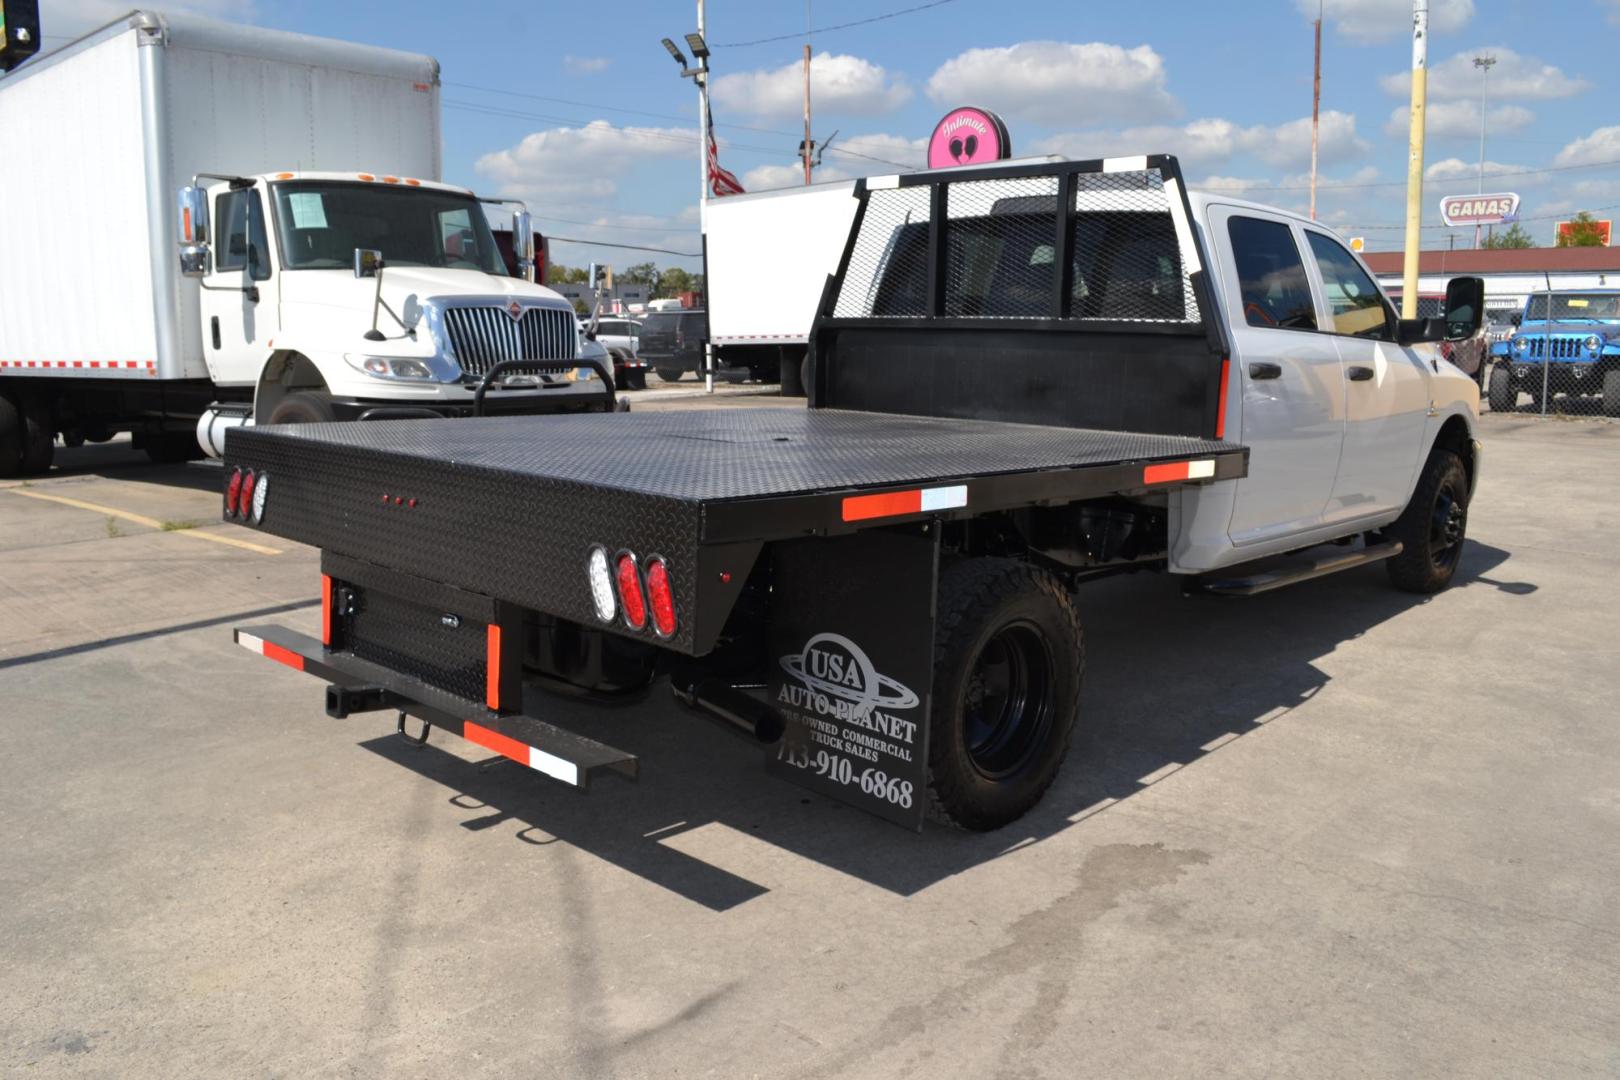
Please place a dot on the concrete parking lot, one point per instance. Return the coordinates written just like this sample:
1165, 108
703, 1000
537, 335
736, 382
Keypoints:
1330, 831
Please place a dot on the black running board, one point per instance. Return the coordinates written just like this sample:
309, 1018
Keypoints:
358, 685
1321, 566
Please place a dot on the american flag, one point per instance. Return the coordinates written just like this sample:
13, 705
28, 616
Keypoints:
720, 181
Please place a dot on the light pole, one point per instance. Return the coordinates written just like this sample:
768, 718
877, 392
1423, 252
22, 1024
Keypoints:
1484, 63
1414, 159
700, 76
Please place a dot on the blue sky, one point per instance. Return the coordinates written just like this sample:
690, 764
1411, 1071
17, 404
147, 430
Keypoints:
577, 108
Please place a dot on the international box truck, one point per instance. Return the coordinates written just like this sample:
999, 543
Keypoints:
208, 225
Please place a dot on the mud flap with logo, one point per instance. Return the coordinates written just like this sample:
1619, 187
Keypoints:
852, 664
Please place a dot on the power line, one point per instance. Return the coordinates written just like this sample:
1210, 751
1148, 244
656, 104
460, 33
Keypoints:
628, 247
1516, 221
604, 225
826, 29
1402, 183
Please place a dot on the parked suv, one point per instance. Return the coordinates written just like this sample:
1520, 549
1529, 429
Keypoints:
622, 337
1575, 352
672, 342
1470, 354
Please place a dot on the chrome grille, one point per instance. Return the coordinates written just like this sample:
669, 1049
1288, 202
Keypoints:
484, 336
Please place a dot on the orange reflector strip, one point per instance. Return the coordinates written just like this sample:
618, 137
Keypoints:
1220, 410
365, 176
390, 179
284, 176
284, 656
492, 666
326, 610
1164, 474
413, 183
494, 740
185, 217
888, 504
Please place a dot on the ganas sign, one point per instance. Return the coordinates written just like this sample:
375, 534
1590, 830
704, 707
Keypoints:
1480, 209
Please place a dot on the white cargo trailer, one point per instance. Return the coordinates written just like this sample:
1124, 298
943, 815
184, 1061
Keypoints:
300, 146
768, 258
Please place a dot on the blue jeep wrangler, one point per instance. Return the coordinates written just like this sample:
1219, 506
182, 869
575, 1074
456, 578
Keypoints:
1576, 352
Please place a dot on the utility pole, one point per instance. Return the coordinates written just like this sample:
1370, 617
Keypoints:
702, 81
1316, 106
807, 112
1484, 63
1414, 159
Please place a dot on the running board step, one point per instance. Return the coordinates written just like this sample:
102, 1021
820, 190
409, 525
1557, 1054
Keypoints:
361, 686
1321, 566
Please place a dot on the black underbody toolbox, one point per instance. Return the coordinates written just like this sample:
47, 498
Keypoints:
510, 507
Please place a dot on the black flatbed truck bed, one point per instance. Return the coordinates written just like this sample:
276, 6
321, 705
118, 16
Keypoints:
946, 462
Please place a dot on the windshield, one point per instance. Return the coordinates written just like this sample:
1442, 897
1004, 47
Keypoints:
1575, 306
321, 223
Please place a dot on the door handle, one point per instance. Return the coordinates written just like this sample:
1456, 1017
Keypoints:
1265, 371
1359, 373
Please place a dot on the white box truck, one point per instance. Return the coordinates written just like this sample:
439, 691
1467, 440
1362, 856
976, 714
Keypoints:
324, 271
768, 258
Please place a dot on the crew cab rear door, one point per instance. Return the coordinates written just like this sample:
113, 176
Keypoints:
1292, 403
1386, 387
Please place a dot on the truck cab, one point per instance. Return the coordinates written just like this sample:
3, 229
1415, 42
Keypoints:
325, 295
1575, 350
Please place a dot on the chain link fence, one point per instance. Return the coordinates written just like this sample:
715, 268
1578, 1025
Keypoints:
1565, 365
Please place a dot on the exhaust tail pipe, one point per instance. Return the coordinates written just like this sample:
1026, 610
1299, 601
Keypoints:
735, 710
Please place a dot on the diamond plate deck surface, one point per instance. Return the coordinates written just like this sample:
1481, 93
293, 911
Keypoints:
724, 454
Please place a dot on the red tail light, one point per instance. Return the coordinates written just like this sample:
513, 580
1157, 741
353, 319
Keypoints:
244, 498
233, 491
663, 600
631, 600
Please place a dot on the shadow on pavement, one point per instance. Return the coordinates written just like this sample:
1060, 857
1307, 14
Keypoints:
1170, 680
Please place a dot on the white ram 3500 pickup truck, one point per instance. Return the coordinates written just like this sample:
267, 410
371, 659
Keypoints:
1022, 378
306, 150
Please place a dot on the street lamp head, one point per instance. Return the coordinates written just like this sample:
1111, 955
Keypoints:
1486, 62
698, 46
676, 53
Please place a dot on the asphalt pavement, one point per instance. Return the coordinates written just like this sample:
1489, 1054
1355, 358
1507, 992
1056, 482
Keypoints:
1334, 830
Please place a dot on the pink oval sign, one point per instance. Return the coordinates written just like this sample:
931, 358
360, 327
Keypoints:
968, 136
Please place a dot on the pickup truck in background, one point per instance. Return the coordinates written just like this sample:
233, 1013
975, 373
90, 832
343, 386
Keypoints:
1575, 352
291, 156
1022, 378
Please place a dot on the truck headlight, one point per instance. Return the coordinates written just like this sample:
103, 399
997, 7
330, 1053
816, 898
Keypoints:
1593, 343
1521, 345
392, 367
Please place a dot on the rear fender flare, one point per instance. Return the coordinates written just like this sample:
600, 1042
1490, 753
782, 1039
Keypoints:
286, 371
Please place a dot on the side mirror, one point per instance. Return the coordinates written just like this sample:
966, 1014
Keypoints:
193, 238
367, 261
523, 243
1465, 307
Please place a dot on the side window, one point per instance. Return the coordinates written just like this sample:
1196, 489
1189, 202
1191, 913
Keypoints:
1271, 275
242, 243
1358, 309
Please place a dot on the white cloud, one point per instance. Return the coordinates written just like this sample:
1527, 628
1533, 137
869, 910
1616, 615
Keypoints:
1379, 20
770, 177
838, 84
1458, 169
71, 18
1052, 82
1208, 143
580, 163
1514, 77
1602, 145
585, 65
1460, 118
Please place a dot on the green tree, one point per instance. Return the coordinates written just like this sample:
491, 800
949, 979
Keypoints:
558, 274
1514, 236
1583, 231
639, 274
674, 281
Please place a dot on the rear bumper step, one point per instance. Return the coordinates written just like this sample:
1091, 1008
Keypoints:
361, 686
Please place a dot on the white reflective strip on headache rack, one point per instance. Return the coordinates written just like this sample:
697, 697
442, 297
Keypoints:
1125, 164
